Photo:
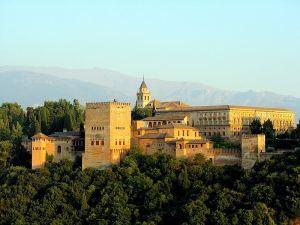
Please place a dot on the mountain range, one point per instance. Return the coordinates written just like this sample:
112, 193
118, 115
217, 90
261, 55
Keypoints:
30, 86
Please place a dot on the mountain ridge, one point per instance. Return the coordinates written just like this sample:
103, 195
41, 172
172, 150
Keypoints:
102, 84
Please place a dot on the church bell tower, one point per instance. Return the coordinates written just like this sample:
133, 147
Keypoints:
143, 95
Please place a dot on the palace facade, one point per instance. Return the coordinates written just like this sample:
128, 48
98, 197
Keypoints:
229, 121
177, 129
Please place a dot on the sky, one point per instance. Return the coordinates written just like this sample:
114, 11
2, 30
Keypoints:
236, 45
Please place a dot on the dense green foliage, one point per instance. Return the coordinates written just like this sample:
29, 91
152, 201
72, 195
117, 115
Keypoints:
155, 189
256, 127
139, 114
15, 122
54, 116
266, 128
220, 142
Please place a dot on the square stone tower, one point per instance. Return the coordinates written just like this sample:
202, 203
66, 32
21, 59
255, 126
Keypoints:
252, 147
107, 133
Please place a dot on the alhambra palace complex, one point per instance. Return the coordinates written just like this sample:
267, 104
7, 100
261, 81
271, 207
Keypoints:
176, 129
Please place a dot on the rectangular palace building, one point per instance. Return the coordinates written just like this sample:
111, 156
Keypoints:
231, 121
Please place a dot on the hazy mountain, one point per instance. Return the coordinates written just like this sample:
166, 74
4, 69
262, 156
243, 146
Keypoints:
32, 85
30, 89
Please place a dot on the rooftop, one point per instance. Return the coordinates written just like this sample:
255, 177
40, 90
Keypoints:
39, 136
165, 117
175, 125
222, 107
65, 134
156, 136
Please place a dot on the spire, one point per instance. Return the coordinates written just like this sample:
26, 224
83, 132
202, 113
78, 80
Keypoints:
143, 84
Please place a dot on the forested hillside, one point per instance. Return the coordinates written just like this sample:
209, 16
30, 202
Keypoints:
154, 189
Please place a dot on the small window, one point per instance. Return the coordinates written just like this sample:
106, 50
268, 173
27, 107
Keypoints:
97, 142
102, 142
92, 142
59, 149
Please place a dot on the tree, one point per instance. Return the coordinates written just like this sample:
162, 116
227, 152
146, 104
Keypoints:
183, 178
84, 204
37, 126
5, 148
256, 127
139, 113
268, 129
197, 212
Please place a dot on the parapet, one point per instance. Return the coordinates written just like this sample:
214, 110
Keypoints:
93, 105
224, 151
252, 135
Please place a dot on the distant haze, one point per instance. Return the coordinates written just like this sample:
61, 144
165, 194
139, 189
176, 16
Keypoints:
31, 86
234, 45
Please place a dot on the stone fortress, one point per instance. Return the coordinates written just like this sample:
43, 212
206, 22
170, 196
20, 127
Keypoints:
176, 129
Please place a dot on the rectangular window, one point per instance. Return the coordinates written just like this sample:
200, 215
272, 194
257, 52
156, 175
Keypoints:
92, 142
97, 142
102, 142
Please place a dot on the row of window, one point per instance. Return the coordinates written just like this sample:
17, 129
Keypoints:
120, 142
159, 123
38, 148
191, 146
97, 143
213, 114
120, 128
210, 134
185, 133
145, 98
213, 133
97, 128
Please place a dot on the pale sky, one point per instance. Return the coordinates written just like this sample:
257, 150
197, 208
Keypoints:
236, 45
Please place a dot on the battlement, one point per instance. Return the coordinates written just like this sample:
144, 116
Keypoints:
252, 135
93, 105
223, 151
